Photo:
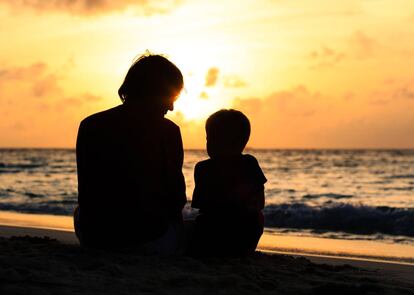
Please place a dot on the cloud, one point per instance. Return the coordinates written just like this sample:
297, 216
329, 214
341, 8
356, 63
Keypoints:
229, 80
298, 101
349, 95
75, 102
35, 81
91, 97
212, 77
406, 92
233, 81
393, 91
284, 118
14, 73
35, 109
362, 45
325, 57
92, 7
203, 95
301, 118
45, 85
32, 81
252, 105
389, 127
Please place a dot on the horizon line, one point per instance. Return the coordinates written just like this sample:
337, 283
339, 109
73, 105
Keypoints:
247, 148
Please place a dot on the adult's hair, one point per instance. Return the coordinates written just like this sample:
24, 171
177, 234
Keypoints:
151, 77
229, 127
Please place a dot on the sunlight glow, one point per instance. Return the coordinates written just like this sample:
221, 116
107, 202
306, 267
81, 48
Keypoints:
191, 104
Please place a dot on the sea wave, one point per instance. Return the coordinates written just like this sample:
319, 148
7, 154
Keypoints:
40, 208
406, 188
15, 168
356, 219
401, 176
327, 195
335, 217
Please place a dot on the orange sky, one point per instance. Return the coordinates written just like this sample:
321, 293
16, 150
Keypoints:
309, 74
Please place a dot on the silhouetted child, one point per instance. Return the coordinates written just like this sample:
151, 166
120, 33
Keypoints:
229, 190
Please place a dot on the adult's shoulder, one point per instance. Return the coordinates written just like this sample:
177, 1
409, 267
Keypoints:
170, 125
101, 117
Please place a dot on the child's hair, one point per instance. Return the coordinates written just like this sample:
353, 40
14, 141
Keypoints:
151, 76
230, 128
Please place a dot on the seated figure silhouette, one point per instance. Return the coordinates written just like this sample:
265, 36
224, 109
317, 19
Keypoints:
129, 159
229, 190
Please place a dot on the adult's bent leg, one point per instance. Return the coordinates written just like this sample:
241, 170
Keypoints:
76, 223
170, 243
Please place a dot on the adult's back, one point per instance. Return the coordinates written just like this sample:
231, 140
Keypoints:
130, 182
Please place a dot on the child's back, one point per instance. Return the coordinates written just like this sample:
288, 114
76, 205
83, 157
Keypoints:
229, 191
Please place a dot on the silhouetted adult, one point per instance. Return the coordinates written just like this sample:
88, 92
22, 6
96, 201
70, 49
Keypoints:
129, 159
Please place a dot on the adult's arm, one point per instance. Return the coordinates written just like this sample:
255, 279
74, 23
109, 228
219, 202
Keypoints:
81, 158
86, 177
175, 178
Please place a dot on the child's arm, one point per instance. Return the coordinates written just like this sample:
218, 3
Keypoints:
255, 198
250, 196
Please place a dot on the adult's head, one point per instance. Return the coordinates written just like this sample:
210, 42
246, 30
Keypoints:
152, 80
228, 132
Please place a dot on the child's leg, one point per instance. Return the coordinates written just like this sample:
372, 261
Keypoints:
255, 230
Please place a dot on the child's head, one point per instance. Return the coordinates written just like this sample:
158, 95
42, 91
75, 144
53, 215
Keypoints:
228, 132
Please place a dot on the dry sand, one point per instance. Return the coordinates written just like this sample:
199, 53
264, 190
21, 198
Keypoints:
32, 264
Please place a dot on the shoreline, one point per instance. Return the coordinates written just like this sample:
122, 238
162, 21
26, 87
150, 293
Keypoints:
367, 250
61, 228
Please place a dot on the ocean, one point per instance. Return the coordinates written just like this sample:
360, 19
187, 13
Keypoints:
339, 194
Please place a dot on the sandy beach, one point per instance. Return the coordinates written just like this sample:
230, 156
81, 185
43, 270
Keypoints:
37, 259
279, 129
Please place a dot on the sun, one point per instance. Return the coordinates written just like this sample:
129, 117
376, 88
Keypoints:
192, 107
195, 101
199, 99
